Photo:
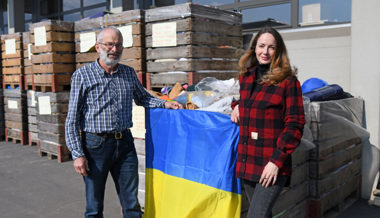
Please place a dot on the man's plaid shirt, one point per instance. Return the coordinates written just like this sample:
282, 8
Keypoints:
271, 125
101, 102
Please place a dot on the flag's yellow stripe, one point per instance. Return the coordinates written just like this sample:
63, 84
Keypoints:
172, 197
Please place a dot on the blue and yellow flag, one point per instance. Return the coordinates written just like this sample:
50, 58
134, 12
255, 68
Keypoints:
190, 165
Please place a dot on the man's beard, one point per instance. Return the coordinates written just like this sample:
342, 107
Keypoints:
108, 61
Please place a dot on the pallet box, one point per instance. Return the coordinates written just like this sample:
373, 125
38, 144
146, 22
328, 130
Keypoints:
188, 42
12, 60
130, 23
16, 118
51, 112
53, 58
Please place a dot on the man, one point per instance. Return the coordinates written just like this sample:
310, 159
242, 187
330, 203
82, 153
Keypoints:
98, 122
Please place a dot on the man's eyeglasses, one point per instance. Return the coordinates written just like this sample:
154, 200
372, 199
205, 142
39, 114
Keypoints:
110, 45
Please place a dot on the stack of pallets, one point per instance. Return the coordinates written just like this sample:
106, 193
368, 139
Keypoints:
12, 60
187, 42
51, 115
32, 118
335, 165
16, 116
53, 59
28, 73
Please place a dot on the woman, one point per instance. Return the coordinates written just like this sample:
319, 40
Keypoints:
271, 119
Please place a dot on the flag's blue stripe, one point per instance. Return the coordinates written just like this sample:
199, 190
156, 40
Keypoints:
195, 145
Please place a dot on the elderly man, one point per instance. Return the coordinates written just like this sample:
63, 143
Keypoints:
98, 122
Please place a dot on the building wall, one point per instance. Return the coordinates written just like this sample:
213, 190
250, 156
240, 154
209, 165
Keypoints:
323, 52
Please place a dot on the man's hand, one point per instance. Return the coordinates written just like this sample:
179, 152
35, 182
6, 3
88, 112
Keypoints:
81, 166
235, 114
173, 105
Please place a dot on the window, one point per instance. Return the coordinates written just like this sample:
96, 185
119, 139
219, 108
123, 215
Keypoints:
212, 2
324, 11
275, 15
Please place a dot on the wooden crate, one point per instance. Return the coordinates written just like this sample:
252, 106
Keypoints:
27, 51
53, 59
51, 112
32, 118
134, 49
12, 60
197, 39
15, 116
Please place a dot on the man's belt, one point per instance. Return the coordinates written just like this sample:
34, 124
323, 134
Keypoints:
113, 135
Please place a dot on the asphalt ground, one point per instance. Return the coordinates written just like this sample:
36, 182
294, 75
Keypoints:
36, 187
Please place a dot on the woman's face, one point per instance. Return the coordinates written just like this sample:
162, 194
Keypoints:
265, 48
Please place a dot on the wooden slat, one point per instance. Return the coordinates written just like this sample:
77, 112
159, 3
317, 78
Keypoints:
16, 36
191, 65
28, 69
57, 37
205, 26
190, 51
53, 25
137, 42
53, 68
53, 58
53, 47
11, 62
13, 70
12, 78
18, 54
203, 39
41, 79
18, 46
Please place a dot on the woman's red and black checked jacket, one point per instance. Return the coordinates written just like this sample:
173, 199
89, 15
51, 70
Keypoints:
271, 125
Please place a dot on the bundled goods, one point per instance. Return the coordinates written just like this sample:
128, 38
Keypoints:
188, 42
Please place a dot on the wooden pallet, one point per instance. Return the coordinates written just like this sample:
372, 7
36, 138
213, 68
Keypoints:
155, 81
16, 136
53, 151
51, 82
32, 141
13, 81
335, 200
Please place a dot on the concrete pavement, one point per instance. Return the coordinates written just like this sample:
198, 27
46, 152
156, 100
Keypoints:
35, 187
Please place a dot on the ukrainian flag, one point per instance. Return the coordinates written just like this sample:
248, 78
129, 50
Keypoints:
190, 165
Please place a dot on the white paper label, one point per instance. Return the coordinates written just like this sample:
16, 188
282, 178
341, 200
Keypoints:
126, 31
254, 135
44, 106
164, 34
12, 104
10, 46
33, 98
30, 51
87, 41
40, 36
138, 119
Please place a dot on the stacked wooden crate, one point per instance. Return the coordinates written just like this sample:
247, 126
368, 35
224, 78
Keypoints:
335, 165
53, 59
27, 50
51, 115
86, 31
130, 24
12, 60
16, 117
187, 42
32, 118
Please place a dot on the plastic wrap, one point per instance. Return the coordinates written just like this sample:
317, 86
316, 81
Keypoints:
188, 9
336, 125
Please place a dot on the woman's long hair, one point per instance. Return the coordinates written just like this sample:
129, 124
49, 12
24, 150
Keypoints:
280, 65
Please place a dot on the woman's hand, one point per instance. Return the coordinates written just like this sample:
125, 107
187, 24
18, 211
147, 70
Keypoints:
235, 114
269, 174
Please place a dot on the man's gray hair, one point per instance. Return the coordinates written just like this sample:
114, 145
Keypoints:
99, 37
